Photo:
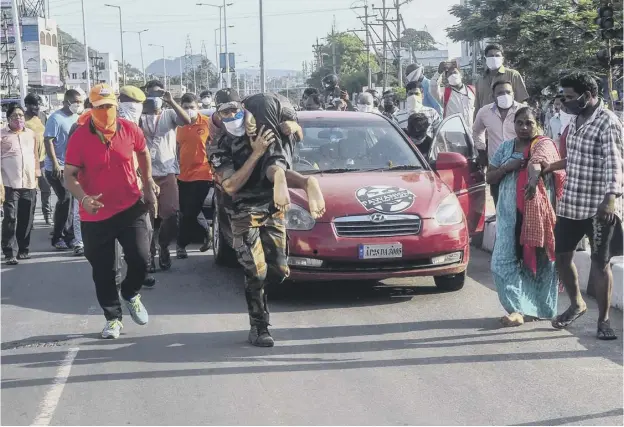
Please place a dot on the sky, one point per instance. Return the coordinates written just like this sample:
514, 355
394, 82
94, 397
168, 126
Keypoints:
290, 26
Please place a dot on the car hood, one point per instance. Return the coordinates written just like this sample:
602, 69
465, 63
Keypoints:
387, 192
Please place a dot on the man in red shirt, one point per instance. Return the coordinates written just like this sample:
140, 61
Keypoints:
100, 174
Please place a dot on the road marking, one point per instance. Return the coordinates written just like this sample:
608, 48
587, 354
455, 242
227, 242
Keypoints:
53, 396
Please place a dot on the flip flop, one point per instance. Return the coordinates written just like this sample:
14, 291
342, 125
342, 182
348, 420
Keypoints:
605, 332
567, 318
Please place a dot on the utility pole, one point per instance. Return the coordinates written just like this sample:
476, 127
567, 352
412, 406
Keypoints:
333, 43
204, 56
262, 70
19, 52
368, 59
385, 45
398, 36
123, 64
188, 54
86, 46
318, 55
228, 77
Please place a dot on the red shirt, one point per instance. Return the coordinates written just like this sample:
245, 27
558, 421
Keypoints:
107, 169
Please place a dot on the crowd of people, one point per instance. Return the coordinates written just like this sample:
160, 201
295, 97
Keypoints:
131, 177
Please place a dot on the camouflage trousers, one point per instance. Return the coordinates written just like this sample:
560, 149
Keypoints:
260, 245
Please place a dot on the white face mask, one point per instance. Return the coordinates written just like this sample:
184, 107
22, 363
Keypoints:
131, 111
76, 108
365, 108
192, 113
494, 62
505, 101
207, 102
455, 79
236, 125
412, 103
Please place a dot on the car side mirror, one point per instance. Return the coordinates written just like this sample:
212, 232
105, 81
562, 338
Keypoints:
450, 161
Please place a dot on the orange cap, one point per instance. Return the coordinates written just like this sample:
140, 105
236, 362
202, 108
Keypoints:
102, 94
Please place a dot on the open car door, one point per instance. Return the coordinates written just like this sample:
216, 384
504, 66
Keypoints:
454, 157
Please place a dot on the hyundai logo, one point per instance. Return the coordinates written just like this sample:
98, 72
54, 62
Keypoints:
377, 217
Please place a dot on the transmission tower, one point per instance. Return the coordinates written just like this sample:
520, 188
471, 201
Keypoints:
8, 52
32, 8
205, 62
188, 62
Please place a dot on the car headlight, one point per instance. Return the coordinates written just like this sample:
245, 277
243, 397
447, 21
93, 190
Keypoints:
449, 212
299, 219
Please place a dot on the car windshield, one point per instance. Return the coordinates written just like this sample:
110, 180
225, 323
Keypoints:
341, 145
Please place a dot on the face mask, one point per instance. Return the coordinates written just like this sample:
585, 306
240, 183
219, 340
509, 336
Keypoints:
455, 79
494, 62
235, 125
505, 101
17, 124
365, 108
207, 102
105, 120
192, 113
131, 111
76, 108
157, 102
575, 107
412, 102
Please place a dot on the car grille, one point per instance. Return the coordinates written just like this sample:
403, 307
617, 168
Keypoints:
377, 225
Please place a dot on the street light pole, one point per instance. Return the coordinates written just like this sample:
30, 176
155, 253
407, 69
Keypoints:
123, 63
228, 77
262, 70
20, 52
141, 47
86, 47
164, 62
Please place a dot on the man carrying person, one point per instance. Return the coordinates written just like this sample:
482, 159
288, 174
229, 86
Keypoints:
251, 161
457, 97
195, 179
592, 203
56, 136
496, 72
159, 127
100, 174
35, 121
497, 119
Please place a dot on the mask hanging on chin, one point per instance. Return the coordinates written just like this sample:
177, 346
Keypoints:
131, 111
235, 125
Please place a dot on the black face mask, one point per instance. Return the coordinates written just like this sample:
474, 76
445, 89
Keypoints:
576, 106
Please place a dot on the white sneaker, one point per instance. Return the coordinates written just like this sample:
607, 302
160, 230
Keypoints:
112, 329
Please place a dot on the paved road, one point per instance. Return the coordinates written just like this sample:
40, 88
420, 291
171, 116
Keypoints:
398, 353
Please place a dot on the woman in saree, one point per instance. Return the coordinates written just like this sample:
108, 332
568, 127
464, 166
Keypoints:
524, 253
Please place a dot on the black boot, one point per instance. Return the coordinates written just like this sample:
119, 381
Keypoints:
259, 336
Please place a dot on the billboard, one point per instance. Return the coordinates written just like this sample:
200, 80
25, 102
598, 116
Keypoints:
232, 61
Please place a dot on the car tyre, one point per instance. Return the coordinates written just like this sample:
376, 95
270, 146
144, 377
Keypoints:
224, 255
450, 283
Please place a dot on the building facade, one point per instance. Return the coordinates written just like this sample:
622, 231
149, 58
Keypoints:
104, 68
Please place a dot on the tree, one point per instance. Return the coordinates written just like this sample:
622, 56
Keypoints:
543, 39
351, 62
418, 39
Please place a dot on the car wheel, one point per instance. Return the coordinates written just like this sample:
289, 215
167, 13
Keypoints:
224, 255
453, 282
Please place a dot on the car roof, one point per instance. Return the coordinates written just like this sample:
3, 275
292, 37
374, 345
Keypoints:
343, 115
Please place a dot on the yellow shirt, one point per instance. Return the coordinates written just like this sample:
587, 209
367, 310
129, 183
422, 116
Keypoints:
36, 125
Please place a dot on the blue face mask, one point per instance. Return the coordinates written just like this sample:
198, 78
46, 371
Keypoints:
156, 101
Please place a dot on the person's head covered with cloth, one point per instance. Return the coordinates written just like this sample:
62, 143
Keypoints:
104, 112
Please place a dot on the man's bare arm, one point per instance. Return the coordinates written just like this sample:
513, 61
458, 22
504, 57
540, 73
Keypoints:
233, 184
71, 182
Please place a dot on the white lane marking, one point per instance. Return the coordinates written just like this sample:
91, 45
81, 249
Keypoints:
53, 396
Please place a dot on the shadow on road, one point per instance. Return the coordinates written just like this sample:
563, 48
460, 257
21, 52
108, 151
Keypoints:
576, 419
217, 347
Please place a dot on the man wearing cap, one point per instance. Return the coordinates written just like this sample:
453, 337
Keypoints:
100, 173
159, 127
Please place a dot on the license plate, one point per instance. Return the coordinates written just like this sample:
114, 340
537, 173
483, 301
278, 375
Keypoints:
392, 250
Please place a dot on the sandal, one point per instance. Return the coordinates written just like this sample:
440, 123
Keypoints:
23, 255
605, 331
568, 317
11, 261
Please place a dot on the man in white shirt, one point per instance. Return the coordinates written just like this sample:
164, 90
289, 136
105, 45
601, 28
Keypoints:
497, 120
557, 122
414, 104
457, 97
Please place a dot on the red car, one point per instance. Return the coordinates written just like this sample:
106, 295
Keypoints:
391, 212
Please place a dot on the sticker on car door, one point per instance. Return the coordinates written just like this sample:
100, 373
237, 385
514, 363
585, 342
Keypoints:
385, 198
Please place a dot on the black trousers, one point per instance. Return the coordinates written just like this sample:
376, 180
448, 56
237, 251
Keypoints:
130, 229
46, 191
19, 214
192, 196
63, 229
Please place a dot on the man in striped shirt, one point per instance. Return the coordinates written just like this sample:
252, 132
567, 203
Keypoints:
414, 104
